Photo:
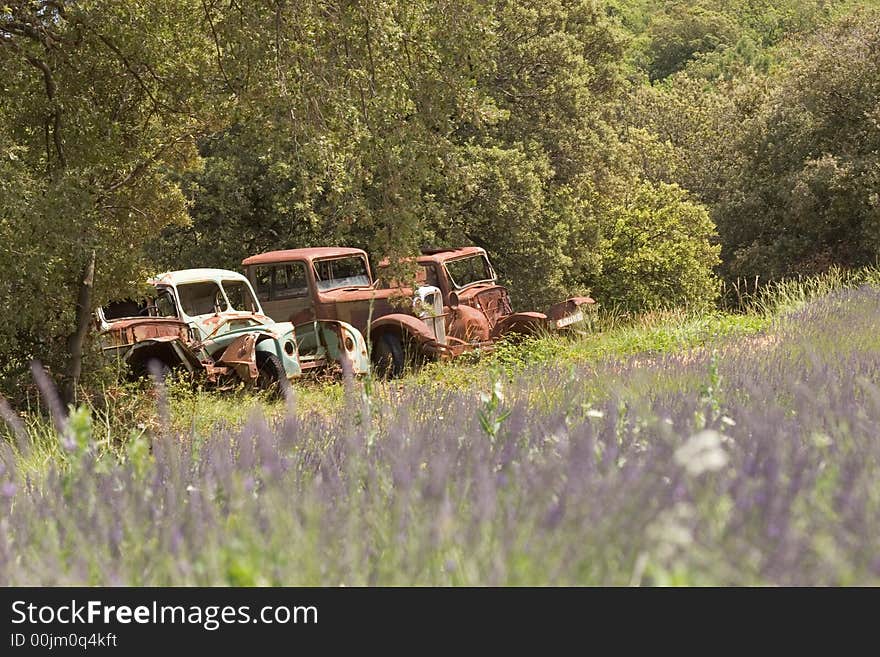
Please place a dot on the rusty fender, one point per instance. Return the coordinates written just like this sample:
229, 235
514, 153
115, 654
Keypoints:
241, 356
468, 325
409, 326
569, 306
525, 323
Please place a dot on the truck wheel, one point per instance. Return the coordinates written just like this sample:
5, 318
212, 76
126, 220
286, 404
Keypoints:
388, 356
271, 374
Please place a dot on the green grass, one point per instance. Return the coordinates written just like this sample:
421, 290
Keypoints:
649, 335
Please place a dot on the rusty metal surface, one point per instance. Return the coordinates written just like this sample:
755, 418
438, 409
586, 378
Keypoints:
467, 325
360, 306
442, 255
414, 327
357, 307
130, 331
524, 323
493, 302
559, 310
242, 356
307, 254
331, 344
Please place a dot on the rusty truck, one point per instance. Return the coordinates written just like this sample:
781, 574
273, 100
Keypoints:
454, 306
480, 308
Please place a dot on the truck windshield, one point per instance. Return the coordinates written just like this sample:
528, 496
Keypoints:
206, 297
240, 296
165, 306
467, 271
342, 272
203, 298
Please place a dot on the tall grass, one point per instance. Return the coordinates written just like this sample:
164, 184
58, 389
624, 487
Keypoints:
754, 296
747, 458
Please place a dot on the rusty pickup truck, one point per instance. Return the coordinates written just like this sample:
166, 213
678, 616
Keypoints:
479, 308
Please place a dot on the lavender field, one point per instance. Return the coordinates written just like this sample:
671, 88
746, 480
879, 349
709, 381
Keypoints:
749, 460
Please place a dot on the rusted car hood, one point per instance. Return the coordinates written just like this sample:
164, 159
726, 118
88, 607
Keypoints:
128, 331
361, 294
119, 324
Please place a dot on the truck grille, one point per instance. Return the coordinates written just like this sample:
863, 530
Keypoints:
494, 302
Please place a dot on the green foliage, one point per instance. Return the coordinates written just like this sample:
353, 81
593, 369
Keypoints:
478, 124
97, 104
711, 40
502, 204
803, 191
683, 32
657, 251
776, 136
346, 118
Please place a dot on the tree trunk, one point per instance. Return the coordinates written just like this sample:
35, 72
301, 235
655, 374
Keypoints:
77, 339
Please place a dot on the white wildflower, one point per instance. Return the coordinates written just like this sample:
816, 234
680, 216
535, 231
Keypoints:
701, 453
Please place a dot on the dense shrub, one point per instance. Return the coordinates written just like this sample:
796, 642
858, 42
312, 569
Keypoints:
657, 251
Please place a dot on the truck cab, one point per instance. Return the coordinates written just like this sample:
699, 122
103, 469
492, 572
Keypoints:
336, 283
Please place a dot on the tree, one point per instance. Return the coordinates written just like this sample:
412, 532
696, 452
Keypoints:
803, 192
393, 124
683, 32
98, 100
658, 251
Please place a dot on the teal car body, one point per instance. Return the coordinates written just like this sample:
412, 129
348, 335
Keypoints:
210, 320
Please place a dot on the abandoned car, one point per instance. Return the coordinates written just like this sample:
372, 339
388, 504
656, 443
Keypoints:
208, 321
480, 308
455, 306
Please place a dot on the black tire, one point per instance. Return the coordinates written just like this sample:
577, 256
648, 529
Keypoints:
389, 359
271, 375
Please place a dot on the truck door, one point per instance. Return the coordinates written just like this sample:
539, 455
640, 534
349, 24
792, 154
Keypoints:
283, 290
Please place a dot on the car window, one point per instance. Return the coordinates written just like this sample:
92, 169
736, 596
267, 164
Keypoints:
240, 296
125, 308
203, 298
290, 281
342, 272
263, 281
165, 306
